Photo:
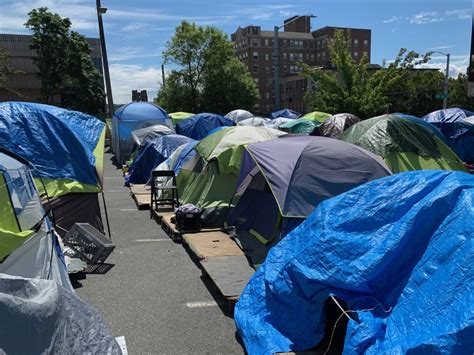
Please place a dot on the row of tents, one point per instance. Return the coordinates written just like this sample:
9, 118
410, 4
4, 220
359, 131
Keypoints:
51, 165
323, 210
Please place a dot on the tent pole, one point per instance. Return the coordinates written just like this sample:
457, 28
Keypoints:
106, 216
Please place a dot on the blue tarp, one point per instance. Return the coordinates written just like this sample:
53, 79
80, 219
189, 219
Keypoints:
403, 264
58, 142
286, 113
184, 156
130, 117
460, 133
152, 154
198, 126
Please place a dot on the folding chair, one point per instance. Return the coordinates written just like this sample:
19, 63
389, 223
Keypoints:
158, 186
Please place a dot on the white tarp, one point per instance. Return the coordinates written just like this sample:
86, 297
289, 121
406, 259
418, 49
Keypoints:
41, 317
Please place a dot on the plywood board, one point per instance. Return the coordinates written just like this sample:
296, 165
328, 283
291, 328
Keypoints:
211, 244
140, 189
229, 273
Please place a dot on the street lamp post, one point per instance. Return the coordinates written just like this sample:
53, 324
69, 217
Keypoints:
276, 59
102, 10
163, 84
446, 79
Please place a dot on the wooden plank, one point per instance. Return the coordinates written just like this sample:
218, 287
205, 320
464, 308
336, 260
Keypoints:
229, 273
211, 244
158, 213
140, 189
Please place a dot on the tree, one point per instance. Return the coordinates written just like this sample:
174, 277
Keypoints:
6, 69
458, 93
351, 88
64, 62
208, 76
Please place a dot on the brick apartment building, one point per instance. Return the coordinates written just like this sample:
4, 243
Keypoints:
27, 83
254, 47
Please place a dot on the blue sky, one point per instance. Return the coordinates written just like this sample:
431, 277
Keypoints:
136, 35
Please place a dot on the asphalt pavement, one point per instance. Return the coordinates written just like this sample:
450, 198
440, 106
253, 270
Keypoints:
153, 293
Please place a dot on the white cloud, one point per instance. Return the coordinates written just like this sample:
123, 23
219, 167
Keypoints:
128, 77
392, 19
461, 14
127, 53
439, 48
458, 64
424, 18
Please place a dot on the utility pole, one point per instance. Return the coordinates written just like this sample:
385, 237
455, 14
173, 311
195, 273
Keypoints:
102, 10
446, 82
163, 84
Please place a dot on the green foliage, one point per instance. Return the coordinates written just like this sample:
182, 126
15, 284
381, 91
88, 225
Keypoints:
64, 62
6, 69
350, 87
208, 76
458, 93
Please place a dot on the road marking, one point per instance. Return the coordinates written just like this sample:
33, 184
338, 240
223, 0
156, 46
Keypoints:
123, 344
201, 304
152, 240
128, 209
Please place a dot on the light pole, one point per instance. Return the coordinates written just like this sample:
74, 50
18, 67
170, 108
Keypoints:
163, 75
276, 58
102, 10
446, 79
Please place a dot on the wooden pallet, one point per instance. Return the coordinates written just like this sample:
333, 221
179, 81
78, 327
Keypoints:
175, 234
142, 195
222, 260
158, 213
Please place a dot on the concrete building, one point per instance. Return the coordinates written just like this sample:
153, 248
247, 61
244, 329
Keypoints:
27, 83
254, 47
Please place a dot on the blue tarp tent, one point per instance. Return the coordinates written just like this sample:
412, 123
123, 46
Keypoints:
402, 265
59, 142
152, 154
198, 126
457, 126
131, 117
286, 113
186, 154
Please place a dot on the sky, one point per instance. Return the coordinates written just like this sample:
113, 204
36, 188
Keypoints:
137, 31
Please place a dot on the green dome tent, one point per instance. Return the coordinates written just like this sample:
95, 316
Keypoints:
178, 116
208, 180
317, 116
403, 144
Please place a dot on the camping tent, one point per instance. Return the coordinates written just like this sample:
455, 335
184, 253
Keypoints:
403, 144
254, 122
285, 113
457, 128
153, 153
66, 149
178, 116
281, 181
28, 246
317, 116
198, 126
277, 122
42, 317
336, 124
424, 124
239, 115
396, 251
208, 180
130, 117
299, 126
143, 135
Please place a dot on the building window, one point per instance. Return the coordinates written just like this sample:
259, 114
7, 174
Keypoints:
318, 55
356, 43
284, 68
284, 56
255, 68
266, 42
267, 69
312, 57
292, 43
255, 55
311, 44
256, 81
292, 56
255, 42
356, 54
323, 55
267, 57
267, 95
366, 43
318, 44
284, 43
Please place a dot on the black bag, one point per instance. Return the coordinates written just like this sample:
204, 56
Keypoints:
188, 220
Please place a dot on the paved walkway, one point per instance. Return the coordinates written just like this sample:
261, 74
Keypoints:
154, 295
